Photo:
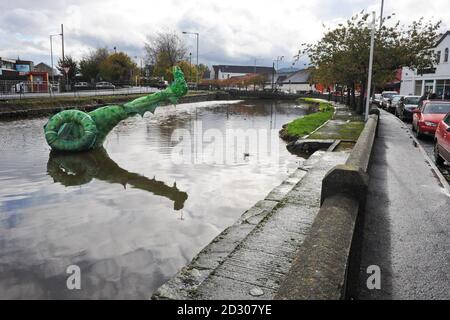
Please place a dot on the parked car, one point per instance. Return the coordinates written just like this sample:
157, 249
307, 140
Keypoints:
442, 141
404, 109
427, 117
386, 97
81, 85
377, 99
394, 102
104, 85
162, 84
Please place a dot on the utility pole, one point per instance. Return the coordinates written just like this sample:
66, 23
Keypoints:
51, 58
63, 57
369, 78
273, 73
62, 40
198, 36
190, 66
381, 13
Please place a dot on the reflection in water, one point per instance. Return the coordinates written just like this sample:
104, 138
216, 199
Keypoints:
73, 169
126, 242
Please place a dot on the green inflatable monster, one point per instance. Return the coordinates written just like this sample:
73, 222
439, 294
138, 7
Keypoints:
75, 130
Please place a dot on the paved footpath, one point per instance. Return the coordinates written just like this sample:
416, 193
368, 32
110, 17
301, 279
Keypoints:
251, 258
407, 221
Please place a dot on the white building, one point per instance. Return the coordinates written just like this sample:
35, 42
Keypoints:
295, 82
433, 80
222, 72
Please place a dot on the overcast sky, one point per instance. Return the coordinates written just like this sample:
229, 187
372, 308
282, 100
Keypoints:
231, 31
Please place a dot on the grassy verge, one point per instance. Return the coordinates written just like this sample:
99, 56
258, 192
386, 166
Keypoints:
348, 131
307, 124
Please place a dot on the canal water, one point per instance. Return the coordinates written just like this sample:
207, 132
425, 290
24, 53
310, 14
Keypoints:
126, 218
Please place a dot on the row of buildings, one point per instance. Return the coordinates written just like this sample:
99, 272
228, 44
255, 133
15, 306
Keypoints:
286, 79
407, 82
17, 71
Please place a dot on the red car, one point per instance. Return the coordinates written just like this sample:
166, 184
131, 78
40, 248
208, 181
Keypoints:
428, 115
442, 141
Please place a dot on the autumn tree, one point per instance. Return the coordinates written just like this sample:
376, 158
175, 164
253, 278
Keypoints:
165, 50
90, 63
189, 70
342, 55
118, 67
70, 63
203, 70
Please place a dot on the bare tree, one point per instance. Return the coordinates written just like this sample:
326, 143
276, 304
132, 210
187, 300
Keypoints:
164, 50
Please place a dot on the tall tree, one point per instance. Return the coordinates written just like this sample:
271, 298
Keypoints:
189, 70
203, 70
342, 55
90, 64
165, 50
70, 63
118, 67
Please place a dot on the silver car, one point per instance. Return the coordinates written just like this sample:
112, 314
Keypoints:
386, 98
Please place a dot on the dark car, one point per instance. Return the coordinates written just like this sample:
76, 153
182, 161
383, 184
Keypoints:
442, 141
81, 86
427, 117
395, 100
405, 107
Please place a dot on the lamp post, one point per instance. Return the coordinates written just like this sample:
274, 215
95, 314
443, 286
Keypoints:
51, 54
369, 78
254, 72
139, 58
190, 66
198, 36
279, 58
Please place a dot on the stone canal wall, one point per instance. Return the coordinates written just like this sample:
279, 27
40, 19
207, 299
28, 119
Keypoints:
300, 242
329, 255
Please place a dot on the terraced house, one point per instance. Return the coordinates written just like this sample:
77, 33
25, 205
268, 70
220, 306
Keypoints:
431, 80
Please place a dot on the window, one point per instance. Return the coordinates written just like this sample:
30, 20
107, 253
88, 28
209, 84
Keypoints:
446, 55
447, 120
418, 88
438, 57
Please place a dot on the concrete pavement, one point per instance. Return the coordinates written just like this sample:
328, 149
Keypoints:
250, 259
406, 227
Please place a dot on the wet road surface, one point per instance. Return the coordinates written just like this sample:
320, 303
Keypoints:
407, 221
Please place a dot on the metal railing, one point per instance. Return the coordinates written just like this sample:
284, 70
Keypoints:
19, 89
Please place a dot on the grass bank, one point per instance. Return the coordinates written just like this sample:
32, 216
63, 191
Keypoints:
307, 124
348, 131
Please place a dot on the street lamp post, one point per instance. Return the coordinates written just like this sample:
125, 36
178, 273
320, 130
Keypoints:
369, 78
279, 58
51, 53
139, 58
254, 72
190, 66
198, 36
